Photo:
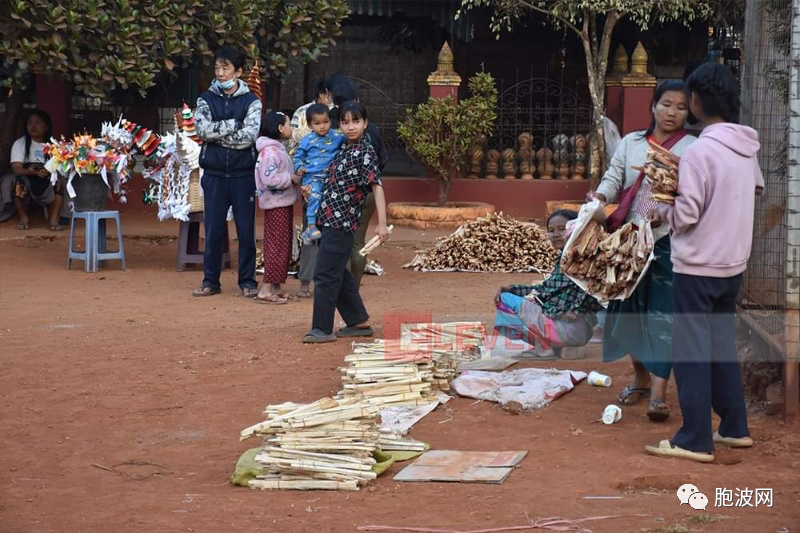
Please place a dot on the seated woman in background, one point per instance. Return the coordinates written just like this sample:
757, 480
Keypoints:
32, 180
553, 314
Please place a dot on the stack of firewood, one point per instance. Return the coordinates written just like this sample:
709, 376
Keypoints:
449, 344
610, 265
661, 167
493, 243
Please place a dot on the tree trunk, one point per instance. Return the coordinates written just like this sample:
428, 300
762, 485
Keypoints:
10, 125
444, 191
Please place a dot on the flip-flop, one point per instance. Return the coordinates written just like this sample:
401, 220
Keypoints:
23, 226
275, 299
355, 331
304, 293
657, 411
250, 292
666, 449
630, 396
733, 442
206, 291
56, 227
317, 336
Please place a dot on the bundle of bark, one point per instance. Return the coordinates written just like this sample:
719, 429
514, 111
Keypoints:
609, 265
493, 243
661, 168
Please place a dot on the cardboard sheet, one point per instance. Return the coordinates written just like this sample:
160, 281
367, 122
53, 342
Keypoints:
451, 465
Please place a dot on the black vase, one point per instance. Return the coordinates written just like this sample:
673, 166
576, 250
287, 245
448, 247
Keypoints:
91, 192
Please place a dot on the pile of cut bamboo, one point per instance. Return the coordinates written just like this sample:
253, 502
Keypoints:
385, 374
493, 243
449, 344
327, 444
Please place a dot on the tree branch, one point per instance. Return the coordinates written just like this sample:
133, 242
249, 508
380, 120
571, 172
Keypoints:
544, 11
592, 27
605, 43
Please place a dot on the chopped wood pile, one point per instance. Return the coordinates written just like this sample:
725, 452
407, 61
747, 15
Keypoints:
328, 444
610, 265
493, 243
661, 167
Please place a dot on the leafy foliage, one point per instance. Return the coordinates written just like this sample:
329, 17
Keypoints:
104, 45
439, 132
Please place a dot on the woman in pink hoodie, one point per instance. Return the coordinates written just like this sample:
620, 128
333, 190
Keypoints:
276, 188
711, 228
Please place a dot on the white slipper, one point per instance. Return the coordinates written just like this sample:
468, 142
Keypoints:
733, 442
666, 449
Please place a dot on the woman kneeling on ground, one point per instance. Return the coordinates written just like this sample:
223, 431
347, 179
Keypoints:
33, 181
553, 314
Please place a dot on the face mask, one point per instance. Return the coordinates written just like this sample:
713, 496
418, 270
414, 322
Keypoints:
226, 85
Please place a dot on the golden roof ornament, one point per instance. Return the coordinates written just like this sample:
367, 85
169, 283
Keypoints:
445, 74
639, 77
619, 67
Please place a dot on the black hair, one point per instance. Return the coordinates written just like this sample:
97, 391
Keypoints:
48, 132
342, 89
717, 90
691, 66
569, 214
271, 122
323, 86
317, 109
355, 109
230, 54
669, 85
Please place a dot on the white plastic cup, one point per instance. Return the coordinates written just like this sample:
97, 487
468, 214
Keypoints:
612, 413
599, 380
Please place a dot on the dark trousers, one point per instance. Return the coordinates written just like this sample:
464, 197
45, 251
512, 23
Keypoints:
705, 362
219, 194
334, 286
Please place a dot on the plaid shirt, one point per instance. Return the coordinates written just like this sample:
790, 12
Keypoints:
352, 174
559, 295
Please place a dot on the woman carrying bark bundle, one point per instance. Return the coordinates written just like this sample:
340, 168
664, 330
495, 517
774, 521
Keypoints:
553, 314
641, 326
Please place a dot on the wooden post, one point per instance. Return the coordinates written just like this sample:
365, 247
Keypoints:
445, 81
791, 374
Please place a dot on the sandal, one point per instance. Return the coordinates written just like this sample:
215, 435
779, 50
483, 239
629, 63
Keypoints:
271, 299
630, 396
250, 292
304, 292
317, 336
657, 411
56, 227
537, 355
289, 297
355, 331
23, 226
206, 291
666, 449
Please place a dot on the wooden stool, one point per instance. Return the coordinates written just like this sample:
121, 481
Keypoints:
189, 252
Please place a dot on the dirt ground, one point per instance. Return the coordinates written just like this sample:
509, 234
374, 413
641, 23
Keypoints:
126, 371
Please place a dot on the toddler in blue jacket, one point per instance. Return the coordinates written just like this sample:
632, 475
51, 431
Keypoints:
312, 161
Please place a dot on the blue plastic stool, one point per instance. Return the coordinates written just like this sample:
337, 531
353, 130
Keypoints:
95, 247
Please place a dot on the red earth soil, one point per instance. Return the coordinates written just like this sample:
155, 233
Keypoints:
114, 368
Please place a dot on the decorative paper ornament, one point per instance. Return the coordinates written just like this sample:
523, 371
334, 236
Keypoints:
254, 80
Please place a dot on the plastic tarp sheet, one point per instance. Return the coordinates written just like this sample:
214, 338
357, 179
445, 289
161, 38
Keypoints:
532, 388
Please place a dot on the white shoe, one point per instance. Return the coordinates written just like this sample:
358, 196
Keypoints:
733, 442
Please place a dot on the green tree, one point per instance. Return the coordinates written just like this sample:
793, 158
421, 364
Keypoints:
101, 46
439, 132
593, 21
